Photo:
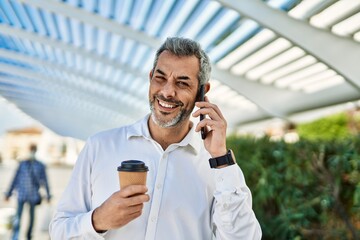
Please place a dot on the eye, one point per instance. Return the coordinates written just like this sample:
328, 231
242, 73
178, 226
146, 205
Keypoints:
182, 84
160, 78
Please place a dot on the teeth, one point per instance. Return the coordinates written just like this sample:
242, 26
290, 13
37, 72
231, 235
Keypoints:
166, 105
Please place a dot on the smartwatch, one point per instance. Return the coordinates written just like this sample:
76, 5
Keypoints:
227, 159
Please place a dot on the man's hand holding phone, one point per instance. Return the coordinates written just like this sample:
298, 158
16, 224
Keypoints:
214, 127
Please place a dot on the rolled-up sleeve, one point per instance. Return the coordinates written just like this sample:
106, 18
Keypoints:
72, 219
233, 216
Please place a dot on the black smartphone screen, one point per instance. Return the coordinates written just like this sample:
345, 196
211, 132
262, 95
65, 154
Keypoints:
201, 98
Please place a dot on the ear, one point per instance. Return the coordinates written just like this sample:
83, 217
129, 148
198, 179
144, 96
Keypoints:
150, 74
207, 87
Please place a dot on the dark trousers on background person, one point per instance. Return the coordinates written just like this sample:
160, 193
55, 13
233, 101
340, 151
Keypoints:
17, 220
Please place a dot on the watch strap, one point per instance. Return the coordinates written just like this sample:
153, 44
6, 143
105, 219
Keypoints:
226, 159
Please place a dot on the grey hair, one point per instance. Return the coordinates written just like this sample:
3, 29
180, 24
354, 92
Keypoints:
187, 47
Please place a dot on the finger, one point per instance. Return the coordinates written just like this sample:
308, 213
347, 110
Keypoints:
205, 105
132, 190
208, 111
132, 212
135, 215
126, 218
138, 199
134, 209
207, 123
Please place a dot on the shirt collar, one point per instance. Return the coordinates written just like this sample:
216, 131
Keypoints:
141, 129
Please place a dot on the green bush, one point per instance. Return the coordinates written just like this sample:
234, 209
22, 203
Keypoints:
305, 190
327, 128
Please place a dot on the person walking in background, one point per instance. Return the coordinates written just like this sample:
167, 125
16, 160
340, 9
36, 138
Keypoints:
30, 175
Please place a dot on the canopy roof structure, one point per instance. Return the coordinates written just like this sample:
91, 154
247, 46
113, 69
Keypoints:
81, 66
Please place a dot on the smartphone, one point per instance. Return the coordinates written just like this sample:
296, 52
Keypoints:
201, 99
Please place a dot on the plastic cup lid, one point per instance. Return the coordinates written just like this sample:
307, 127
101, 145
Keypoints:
133, 166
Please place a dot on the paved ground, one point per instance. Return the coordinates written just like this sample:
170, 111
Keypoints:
58, 178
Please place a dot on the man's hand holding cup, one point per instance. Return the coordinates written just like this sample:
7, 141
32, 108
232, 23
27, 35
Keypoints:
125, 205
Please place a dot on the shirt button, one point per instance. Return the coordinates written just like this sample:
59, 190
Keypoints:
158, 186
153, 218
220, 179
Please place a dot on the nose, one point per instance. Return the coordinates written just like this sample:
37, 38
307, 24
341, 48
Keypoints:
168, 90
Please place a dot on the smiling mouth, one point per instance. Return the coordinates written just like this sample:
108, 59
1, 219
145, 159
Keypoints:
167, 105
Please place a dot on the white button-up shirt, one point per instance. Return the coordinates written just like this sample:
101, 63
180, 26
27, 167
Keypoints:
181, 185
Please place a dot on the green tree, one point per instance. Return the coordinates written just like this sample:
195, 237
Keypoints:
334, 127
306, 190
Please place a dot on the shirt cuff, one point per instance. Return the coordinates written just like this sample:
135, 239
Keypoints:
229, 179
88, 228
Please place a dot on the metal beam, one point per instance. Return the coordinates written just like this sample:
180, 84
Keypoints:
22, 34
50, 99
260, 95
247, 92
58, 121
341, 54
69, 89
286, 102
64, 119
94, 20
87, 78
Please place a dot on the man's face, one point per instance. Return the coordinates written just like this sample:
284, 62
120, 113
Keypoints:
173, 88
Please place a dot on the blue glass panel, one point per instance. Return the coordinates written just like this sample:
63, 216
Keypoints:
10, 14
4, 42
76, 28
197, 11
154, 11
14, 46
160, 18
39, 50
49, 53
23, 17
247, 29
89, 5
115, 46
105, 8
103, 42
48, 19
168, 23
17, 63
139, 16
3, 17
37, 20
282, 4
19, 44
223, 23
63, 28
28, 46
88, 35
74, 3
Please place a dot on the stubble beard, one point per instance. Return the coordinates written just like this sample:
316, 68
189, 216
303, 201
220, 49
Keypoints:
158, 120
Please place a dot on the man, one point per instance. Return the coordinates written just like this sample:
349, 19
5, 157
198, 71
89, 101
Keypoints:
30, 175
184, 198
